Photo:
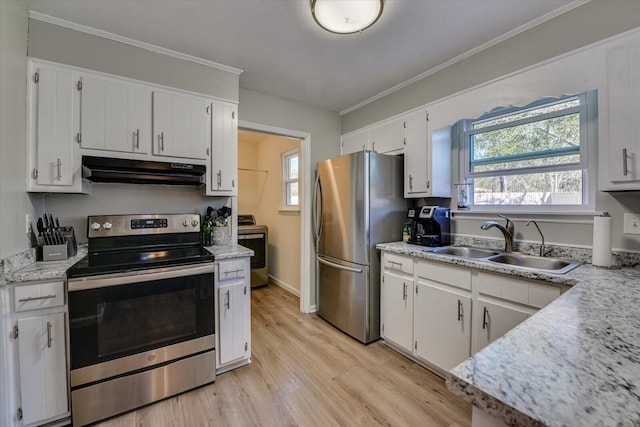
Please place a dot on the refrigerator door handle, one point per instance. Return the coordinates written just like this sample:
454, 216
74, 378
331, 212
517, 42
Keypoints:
317, 224
338, 266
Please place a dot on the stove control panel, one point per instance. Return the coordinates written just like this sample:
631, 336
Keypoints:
127, 225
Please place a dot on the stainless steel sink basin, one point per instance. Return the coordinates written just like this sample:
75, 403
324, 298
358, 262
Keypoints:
464, 252
554, 265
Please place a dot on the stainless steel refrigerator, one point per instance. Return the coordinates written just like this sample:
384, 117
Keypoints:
358, 203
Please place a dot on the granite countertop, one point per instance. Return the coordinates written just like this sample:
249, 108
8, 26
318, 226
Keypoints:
574, 363
39, 270
229, 251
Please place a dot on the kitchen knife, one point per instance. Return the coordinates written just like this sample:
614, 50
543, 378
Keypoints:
45, 233
40, 227
55, 233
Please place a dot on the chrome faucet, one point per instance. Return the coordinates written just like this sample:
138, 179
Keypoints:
508, 230
542, 253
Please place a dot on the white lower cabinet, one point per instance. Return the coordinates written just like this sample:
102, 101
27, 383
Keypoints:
37, 358
43, 373
396, 300
233, 314
442, 325
440, 314
494, 319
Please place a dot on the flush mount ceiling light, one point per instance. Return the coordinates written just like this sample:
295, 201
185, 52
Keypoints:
346, 16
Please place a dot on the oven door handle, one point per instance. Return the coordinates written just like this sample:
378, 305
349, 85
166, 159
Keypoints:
250, 236
117, 279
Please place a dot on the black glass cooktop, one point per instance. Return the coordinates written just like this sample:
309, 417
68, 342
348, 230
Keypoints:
122, 261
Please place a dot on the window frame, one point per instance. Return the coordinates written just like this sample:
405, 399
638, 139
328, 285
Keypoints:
588, 109
284, 180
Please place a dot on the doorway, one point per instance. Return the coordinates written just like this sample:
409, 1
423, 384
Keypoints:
273, 185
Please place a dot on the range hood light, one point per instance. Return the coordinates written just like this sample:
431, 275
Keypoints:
346, 16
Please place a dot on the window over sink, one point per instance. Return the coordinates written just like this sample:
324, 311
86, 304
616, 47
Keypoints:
533, 158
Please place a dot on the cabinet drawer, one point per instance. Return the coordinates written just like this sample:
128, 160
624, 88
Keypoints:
517, 290
541, 295
228, 270
37, 296
403, 264
448, 274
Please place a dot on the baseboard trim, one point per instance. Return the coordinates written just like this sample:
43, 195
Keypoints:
287, 287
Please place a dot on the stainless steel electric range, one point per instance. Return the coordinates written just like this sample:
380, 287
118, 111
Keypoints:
141, 314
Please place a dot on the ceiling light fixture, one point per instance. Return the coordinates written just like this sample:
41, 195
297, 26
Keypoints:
346, 16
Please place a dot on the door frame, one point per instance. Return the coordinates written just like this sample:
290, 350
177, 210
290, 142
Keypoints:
305, 206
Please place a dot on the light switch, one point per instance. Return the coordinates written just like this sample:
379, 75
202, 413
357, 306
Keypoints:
631, 223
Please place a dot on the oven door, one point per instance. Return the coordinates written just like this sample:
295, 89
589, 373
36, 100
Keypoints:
121, 315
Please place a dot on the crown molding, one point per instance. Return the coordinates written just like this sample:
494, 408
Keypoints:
115, 37
566, 8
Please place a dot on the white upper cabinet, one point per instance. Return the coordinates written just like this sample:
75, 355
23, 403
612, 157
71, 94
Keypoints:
427, 159
622, 168
51, 148
181, 125
389, 136
114, 116
224, 151
355, 142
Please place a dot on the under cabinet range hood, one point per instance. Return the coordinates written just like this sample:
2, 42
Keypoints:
104, 169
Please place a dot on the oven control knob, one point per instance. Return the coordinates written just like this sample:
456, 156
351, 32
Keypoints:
95, 226
107, 225
185, 222
195, 222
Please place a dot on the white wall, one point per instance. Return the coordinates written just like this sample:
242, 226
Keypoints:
260, 193
250, 181
15, 203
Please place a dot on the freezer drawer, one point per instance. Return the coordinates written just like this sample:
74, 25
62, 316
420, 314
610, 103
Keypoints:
347, 299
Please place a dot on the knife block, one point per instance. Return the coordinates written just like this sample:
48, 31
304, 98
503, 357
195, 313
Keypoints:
62, 251
55, 252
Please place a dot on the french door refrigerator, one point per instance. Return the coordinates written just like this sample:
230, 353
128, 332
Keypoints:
358, 203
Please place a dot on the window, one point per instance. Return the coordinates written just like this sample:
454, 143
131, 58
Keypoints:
290, 181
530, 156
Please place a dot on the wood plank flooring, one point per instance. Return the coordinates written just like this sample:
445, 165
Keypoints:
304, 372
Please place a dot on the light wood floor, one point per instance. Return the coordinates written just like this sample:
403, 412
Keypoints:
304, 372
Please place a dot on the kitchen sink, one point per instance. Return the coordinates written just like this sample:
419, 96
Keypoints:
554, 265
464, 252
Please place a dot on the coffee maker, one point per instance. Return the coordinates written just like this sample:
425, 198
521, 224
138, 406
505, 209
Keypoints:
430, 225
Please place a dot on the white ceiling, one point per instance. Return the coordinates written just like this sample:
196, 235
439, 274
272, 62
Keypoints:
283, 52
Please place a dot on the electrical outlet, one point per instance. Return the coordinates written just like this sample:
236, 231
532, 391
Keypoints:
28, 218
631, 223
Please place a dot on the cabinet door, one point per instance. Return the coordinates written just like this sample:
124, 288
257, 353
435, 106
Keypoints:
181, 125
624, 109
442, 325
493, 320
355, 142
397, 309
43, 378
115, 116
224, 149
54, 138
416, 162
388, 136
234, 302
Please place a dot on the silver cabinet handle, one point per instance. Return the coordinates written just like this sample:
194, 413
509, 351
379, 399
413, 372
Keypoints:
485, 314
228, 303
59, 166
395, 263
428, 184
625, 169
374, 146
459, 310
49, 338
137, 138
410, 182
232, 271
404, 291
36, 298
161, 141
219, 178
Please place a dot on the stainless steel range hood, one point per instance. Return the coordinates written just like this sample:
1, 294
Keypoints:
104, 169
